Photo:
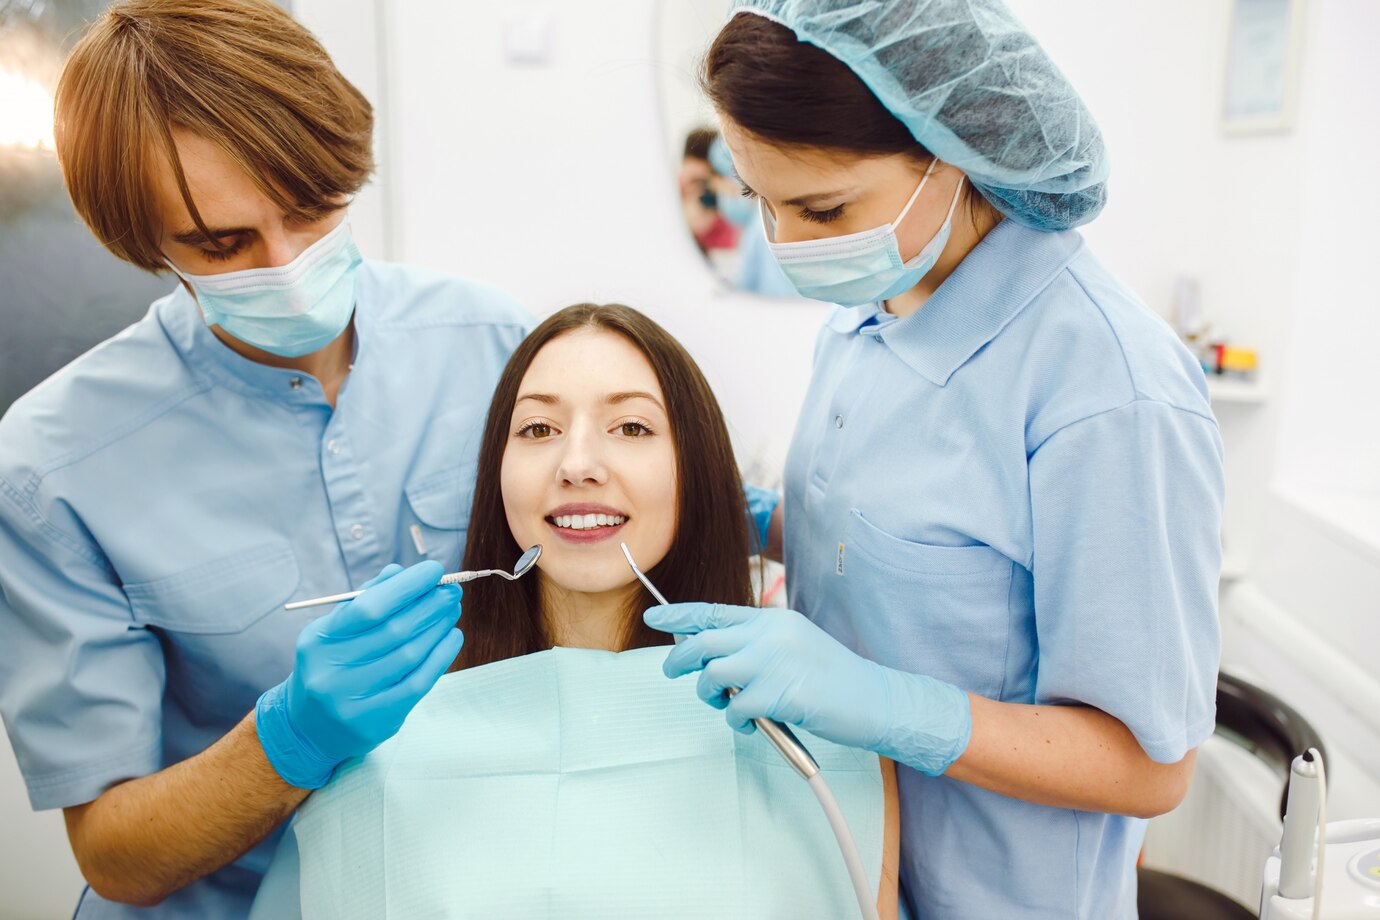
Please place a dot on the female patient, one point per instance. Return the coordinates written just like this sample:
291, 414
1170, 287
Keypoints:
542, 777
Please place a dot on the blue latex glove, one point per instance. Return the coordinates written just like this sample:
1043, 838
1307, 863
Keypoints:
761, 504
792, 671
359, 671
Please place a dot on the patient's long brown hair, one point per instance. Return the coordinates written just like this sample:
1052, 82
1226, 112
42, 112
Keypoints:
708, 558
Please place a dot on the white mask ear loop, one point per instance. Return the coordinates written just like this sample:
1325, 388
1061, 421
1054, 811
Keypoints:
948, 219
915, 194
953, 205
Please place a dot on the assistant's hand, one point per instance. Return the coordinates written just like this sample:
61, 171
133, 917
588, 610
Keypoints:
790, 670
359, 671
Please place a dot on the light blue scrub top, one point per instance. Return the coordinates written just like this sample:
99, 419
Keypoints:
161, 498
1017, 489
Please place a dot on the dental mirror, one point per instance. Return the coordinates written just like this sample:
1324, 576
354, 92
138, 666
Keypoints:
523, 566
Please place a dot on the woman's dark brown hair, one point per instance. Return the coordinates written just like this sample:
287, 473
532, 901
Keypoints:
794, 94
708, 558
791, 93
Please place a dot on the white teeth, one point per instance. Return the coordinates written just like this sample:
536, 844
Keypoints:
588, 521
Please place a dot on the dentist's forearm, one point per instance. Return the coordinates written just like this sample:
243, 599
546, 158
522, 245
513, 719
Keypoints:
1067, 757
144, 839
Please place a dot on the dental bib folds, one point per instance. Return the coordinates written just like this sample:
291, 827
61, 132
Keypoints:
574, 783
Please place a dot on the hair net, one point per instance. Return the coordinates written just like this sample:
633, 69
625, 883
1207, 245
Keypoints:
975, 88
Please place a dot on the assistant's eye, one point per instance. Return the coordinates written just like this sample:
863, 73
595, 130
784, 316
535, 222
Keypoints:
634, 429
535, 430
748, 193
821, 217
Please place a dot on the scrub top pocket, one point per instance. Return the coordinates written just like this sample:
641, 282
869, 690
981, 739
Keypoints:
224, 633
942, 611
221, 597
441, 505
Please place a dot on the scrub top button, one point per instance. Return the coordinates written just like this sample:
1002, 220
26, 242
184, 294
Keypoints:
333, 446
357, 531
295, 383
838, 421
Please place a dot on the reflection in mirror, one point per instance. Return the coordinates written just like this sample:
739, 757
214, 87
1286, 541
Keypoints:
726, 227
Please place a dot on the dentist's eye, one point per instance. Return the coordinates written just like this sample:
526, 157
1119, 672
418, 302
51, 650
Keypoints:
221, 255
534, 430
821, 217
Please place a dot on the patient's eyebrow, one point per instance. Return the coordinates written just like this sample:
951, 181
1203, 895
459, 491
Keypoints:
544, 398
614, 399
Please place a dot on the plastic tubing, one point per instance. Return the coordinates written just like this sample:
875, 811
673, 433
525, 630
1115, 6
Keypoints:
867, 899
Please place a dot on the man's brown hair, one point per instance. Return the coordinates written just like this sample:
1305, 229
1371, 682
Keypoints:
241, 73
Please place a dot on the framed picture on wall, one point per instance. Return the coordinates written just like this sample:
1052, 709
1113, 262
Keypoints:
1263, 49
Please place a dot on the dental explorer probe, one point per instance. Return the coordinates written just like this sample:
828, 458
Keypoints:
528, 560
785, 741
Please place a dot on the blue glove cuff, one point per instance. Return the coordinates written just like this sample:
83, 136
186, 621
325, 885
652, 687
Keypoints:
761, 505
929, 725
295, 758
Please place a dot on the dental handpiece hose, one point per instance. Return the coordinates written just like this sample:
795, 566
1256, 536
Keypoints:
800, 759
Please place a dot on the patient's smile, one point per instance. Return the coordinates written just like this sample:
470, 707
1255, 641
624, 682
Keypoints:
584, 522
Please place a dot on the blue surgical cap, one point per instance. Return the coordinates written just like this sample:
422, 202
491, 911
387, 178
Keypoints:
975, 88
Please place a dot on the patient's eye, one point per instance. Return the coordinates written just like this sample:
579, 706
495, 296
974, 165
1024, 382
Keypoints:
633, 429
535, 430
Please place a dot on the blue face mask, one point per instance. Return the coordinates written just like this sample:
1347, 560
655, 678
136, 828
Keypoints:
289, 310
859, 268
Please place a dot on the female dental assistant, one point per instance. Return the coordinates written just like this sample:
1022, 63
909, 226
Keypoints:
1003, 496
286, 423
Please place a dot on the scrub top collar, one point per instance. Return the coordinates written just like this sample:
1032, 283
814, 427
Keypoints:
210, 358
1002, 274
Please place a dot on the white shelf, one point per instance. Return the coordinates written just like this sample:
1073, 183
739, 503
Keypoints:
1236, 391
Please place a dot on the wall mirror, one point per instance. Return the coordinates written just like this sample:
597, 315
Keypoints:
725, 226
